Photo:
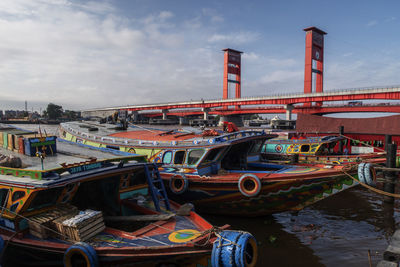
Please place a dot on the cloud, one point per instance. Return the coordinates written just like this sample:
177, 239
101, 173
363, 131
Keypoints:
234, 38
213, 15
372, 23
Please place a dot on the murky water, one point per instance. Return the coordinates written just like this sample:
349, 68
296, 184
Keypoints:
337, 231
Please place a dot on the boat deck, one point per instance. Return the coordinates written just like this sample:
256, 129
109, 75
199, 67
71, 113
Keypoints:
67, 152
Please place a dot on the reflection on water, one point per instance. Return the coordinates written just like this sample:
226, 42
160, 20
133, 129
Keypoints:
337, 231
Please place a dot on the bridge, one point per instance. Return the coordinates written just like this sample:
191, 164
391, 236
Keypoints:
308, 102
293, 103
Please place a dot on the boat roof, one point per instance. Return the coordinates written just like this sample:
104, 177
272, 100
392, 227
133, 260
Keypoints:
141, 136
69, 154
317, 139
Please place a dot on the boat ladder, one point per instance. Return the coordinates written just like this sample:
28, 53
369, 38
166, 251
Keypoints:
156, 187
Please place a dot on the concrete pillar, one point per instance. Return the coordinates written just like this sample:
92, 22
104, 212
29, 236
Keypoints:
164, 114
205, 113
289, 109
183, 121
135, 116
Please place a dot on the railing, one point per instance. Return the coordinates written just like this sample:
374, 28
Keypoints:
152, 143
361, 90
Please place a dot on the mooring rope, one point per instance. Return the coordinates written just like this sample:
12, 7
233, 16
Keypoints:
376, 190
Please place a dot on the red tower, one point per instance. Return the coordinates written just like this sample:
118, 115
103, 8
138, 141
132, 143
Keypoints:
232, 59
314, 51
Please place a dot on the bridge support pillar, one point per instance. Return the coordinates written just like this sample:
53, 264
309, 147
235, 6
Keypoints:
205, 113
314, 53
164, 114
135, 116
183, 121
289, 109
236, 119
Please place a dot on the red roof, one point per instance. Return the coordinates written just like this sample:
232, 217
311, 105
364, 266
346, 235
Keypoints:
382, 125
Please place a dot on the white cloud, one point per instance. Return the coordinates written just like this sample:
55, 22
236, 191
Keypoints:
372, 23
213, 15
234, 38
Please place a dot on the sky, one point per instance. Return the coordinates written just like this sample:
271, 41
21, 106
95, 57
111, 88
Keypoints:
89, 54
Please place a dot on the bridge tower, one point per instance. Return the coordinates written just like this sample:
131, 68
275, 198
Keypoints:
314, 52
232, 65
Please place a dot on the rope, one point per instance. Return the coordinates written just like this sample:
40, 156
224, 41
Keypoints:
376, 190
363, 143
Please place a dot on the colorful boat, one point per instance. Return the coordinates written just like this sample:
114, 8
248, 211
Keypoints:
78, 210
318, 149
223, 173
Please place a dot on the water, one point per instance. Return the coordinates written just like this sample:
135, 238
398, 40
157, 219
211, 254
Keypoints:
337, 231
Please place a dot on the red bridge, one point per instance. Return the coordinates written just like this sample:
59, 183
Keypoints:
308, 102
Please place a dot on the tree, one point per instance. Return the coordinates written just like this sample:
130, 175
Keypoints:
54, 111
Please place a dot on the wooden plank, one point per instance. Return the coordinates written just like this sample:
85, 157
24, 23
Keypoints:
92, 233
93, 224
89, 220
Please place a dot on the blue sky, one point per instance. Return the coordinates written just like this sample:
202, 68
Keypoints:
84, 54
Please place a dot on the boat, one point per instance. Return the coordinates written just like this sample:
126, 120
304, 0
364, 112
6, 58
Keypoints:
223, 172
318, 149
85, 207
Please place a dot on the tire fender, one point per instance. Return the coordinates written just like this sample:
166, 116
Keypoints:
83, 249
234, 248
369, 174
180, 180
252, 191
361, 172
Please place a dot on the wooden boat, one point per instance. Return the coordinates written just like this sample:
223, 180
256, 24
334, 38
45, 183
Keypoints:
223, 173
85, 211
318, 149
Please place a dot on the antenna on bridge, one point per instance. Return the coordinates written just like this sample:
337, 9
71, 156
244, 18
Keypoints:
314, 51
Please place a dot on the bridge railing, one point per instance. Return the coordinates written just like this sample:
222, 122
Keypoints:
276, 96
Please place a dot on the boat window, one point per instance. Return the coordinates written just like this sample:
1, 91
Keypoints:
167, 158
17, 195
194, 156
3, 196
257, 145
179, 157
212, 155
45, 198
305, 148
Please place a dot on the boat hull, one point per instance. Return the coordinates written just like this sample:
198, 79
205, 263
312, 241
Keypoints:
274, 196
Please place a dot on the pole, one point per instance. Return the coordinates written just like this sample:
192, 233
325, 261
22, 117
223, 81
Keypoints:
388, 140
341, 132
390, 176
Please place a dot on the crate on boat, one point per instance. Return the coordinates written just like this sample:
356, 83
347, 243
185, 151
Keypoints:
10, 141
21, 147
40, 225
40, 144
5, 139
80, 227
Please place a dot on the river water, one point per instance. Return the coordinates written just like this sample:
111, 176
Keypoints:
337, 231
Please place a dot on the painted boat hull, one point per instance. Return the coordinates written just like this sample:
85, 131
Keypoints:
274, 196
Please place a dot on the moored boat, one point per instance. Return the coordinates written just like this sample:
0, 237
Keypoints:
318, 149
224, 173
74, 209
